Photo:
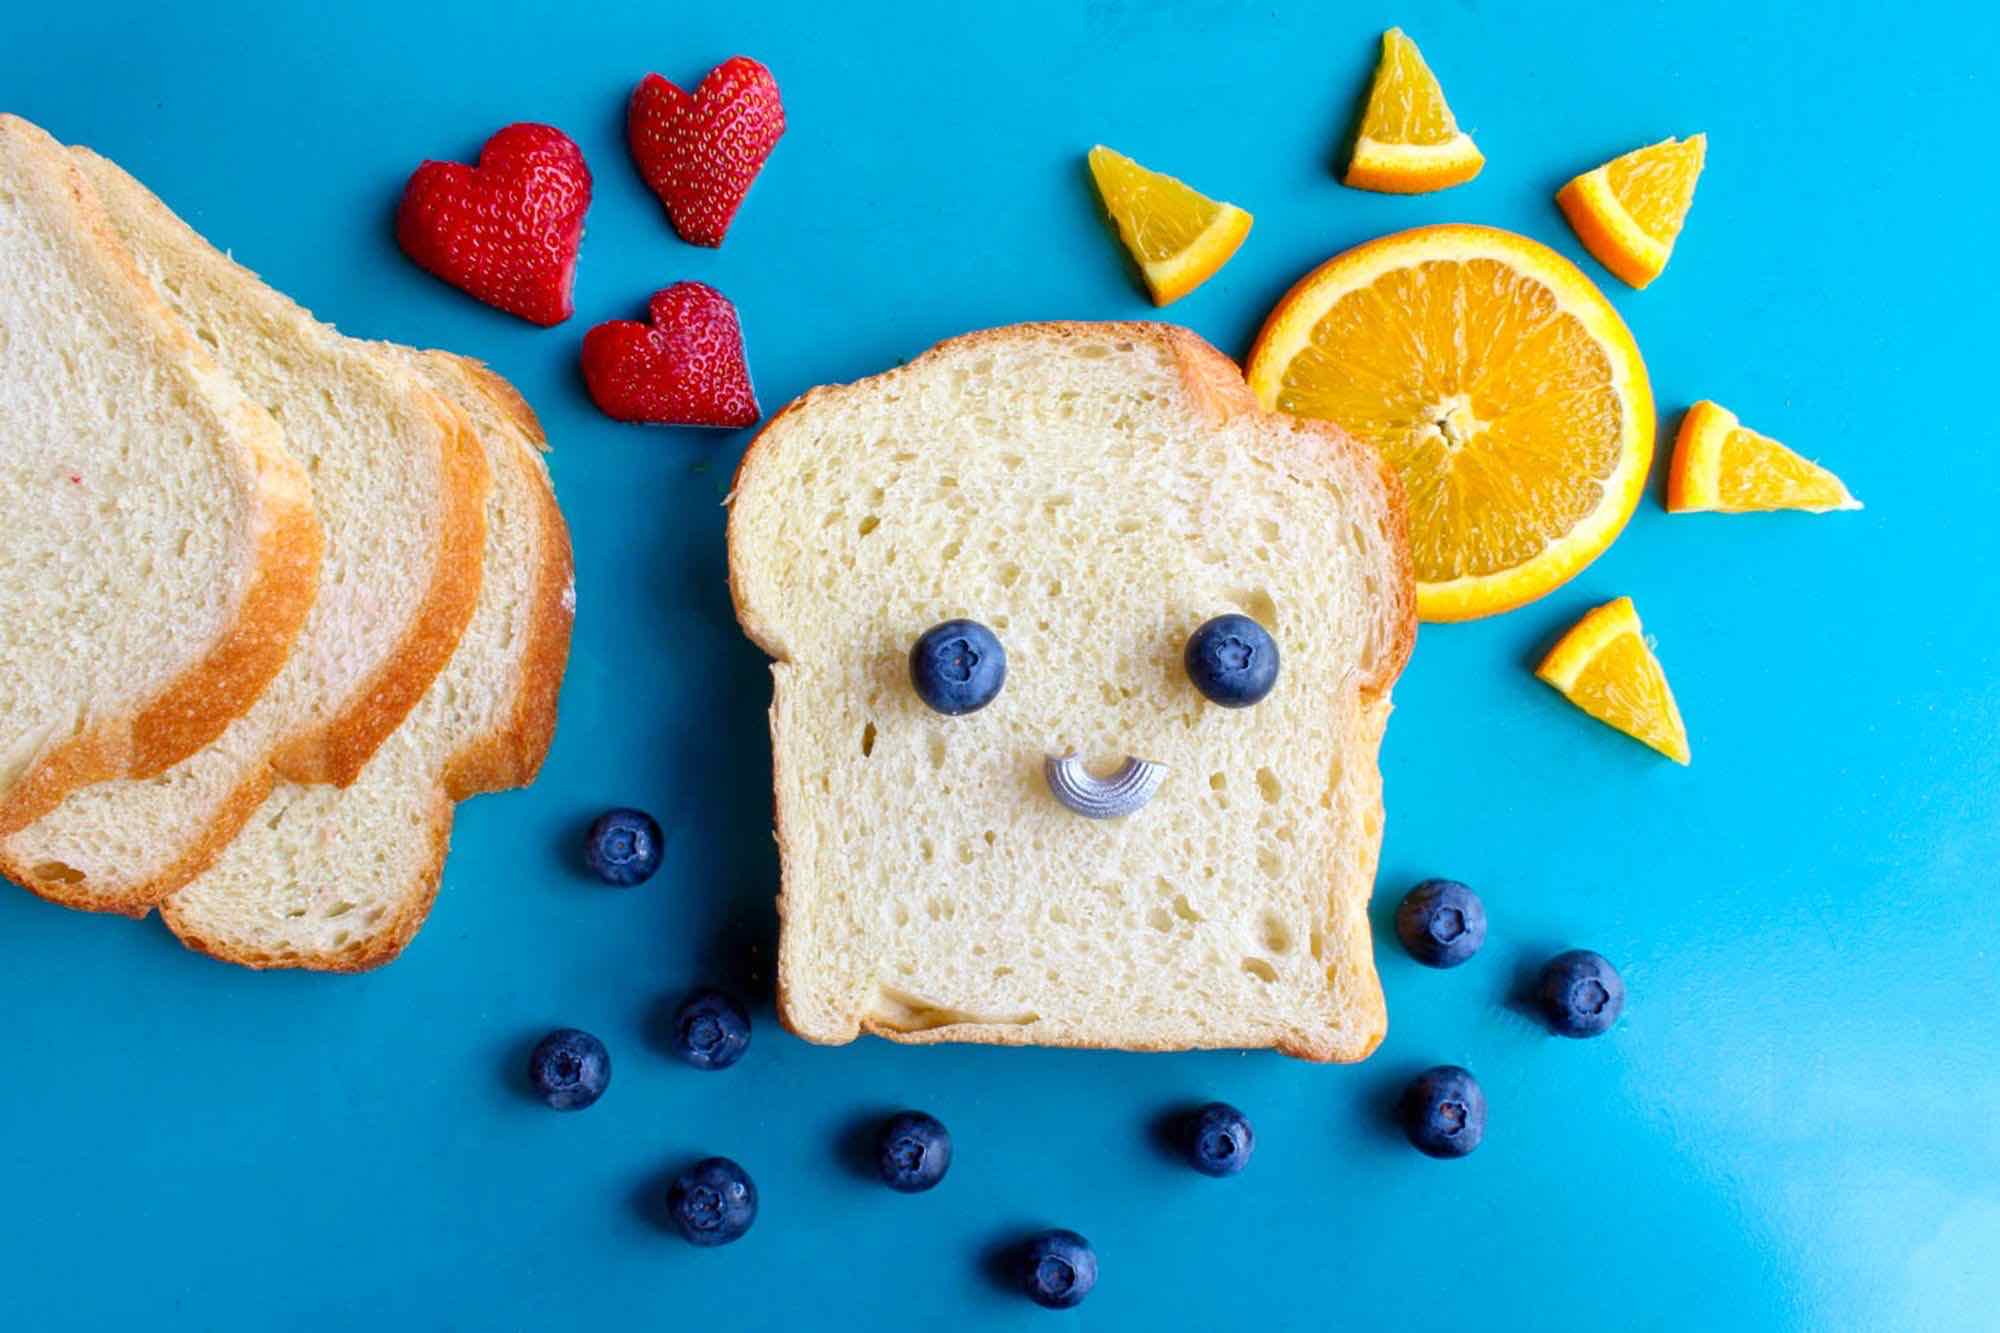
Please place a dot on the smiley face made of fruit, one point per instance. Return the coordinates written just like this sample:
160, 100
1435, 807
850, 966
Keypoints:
960, 666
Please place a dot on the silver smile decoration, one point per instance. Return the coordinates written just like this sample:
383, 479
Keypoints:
1102, 798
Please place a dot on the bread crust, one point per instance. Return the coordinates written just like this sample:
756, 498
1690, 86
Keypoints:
513, 757
338, 750
139, 897
496, 761
501, 393
1217, 386
380, 946
198, 704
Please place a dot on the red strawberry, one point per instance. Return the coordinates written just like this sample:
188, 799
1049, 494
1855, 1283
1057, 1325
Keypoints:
699, 153
505, 231
685, 368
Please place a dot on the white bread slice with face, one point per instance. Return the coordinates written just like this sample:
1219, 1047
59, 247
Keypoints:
340, 880
158, 550
1092, 493
399, 481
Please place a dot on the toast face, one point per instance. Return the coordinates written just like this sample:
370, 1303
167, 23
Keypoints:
335, 879
399, 480
159, 552
1092, 493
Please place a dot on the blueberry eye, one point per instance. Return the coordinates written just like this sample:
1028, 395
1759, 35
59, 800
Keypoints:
958, 667
1233, 660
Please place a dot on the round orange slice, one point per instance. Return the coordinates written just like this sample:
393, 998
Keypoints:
1498, 382
1629, 212
1178, 236
1720, 466
1604, 666
1410, 142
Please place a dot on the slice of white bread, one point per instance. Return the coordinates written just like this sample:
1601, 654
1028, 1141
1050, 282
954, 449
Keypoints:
340, 880
399, 479
158, 550
1092, 493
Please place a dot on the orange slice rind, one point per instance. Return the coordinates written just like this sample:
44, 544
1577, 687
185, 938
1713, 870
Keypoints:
1629, 211
1178, 236
1720, 467
1409, 141
1605, 667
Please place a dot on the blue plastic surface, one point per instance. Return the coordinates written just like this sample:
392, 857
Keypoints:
1791, 1129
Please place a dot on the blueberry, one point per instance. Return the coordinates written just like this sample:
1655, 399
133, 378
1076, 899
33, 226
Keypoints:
1220, 1140
711, 1031
914, 1152
570, 1069
958, 667
1441, 922
1581, 993
1444, 1112
1058, 1269
712, 1202
1233, 660
623, 847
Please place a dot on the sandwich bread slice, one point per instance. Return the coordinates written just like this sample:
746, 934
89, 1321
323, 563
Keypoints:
159, 552
1092, 494
336, 879
399, 480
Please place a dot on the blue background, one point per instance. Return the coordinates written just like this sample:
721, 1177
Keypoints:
1791, 1129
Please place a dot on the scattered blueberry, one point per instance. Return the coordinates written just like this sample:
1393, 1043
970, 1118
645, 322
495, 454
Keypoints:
711, 1030
1441, 922
623, 847
1220, 1140
1058, 1269
958, 667
914, 1152
1444, 1112
1581, 993
1233, 660
712, 1202
570, 1069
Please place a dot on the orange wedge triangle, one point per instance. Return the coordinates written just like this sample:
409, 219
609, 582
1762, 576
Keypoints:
1410, 142
1604, 666
1178, 236
1629, 212
1720, 467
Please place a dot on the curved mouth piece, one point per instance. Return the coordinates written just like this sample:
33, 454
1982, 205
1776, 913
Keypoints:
1130, 787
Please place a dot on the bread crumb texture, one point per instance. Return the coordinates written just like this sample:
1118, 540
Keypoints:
1092, 493
147, 503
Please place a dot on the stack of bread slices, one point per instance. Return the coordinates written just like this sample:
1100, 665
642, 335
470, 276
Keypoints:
272, 599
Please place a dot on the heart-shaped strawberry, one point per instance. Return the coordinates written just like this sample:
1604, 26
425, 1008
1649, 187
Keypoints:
700, 152
505, 231
685, 368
